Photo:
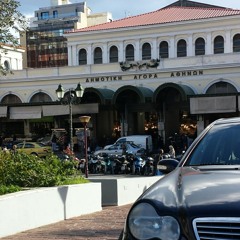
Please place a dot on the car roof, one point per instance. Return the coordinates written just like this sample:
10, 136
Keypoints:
227, 120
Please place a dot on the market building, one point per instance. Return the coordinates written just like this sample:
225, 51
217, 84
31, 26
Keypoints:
168, 72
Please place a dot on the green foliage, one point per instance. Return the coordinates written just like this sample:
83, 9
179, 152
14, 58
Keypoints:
26, 171
9, 189
12, 23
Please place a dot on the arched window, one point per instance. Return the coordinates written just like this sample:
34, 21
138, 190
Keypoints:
40, 97
146, 51
181, 48
218, 45
129, 52
221, 87
11, 99
163, 50
97, 55
7, 65
200, 47
236, 43
82, 57
113, 57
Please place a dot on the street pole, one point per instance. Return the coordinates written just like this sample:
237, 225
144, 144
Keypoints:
86, 157
84, 120
71, 127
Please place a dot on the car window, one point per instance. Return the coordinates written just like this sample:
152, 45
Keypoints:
133, 145
122, 140
114, 147
29, 145
220, 146
20, 145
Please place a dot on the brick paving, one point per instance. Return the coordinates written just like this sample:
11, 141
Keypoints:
104, 225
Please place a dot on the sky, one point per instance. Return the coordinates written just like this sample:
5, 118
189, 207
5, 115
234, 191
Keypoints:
120, 8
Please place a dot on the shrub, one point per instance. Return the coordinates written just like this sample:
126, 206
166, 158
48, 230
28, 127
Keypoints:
20, 170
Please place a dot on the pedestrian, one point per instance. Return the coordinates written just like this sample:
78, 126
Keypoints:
75, 143
157, 158
124, 148
171, 151
54, 142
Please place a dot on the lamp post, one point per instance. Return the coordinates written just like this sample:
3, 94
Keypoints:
72, 98
84, 120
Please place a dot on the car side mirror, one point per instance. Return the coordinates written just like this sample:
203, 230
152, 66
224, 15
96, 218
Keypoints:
167, 165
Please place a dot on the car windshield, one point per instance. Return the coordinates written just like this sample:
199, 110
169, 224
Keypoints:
220, 146
133, 145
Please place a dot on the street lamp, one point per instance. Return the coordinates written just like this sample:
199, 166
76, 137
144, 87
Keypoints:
72, 98
84, 120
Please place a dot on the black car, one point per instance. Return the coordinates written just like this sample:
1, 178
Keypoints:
200, 198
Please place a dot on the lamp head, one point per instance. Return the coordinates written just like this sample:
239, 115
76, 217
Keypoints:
84, 119
60, 92
79, 90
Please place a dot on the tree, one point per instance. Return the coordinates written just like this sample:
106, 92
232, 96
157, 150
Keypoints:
12, 23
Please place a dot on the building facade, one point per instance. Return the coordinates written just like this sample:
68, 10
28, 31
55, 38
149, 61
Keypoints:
168, 73
46, 46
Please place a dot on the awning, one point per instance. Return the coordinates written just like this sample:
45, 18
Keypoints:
28, 112
216, 104
184, 90
145, 94
3, 111
55, 110
87, 108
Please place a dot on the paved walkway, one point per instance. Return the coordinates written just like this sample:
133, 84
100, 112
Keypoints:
104, 225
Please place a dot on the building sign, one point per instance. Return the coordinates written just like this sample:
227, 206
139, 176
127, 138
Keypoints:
104, 79
186, 73
144, 76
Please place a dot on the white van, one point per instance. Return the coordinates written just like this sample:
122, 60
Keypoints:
144, 141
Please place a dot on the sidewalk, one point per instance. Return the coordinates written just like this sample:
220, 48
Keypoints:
104, 225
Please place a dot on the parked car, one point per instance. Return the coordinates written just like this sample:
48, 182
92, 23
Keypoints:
143, 141
34, 148
200, 198
117, 149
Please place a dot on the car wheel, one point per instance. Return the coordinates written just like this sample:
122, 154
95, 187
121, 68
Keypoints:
34, 154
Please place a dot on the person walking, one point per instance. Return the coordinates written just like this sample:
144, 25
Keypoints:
157, 158
172, 151
54, 142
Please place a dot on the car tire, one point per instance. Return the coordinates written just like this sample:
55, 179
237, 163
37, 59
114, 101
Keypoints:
120, 236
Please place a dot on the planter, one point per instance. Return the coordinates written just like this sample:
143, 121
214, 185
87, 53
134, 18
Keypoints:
30, 209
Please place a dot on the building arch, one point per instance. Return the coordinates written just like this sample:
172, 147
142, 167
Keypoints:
218, 44
82, 56
200, 46
163, 49
184, 90
40, 97
131, 103
97, 95
181, 48
143, 94
146, 51
221, 86
113, 54
172, 104
236, 43
129, 52
11, 98
98, 55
